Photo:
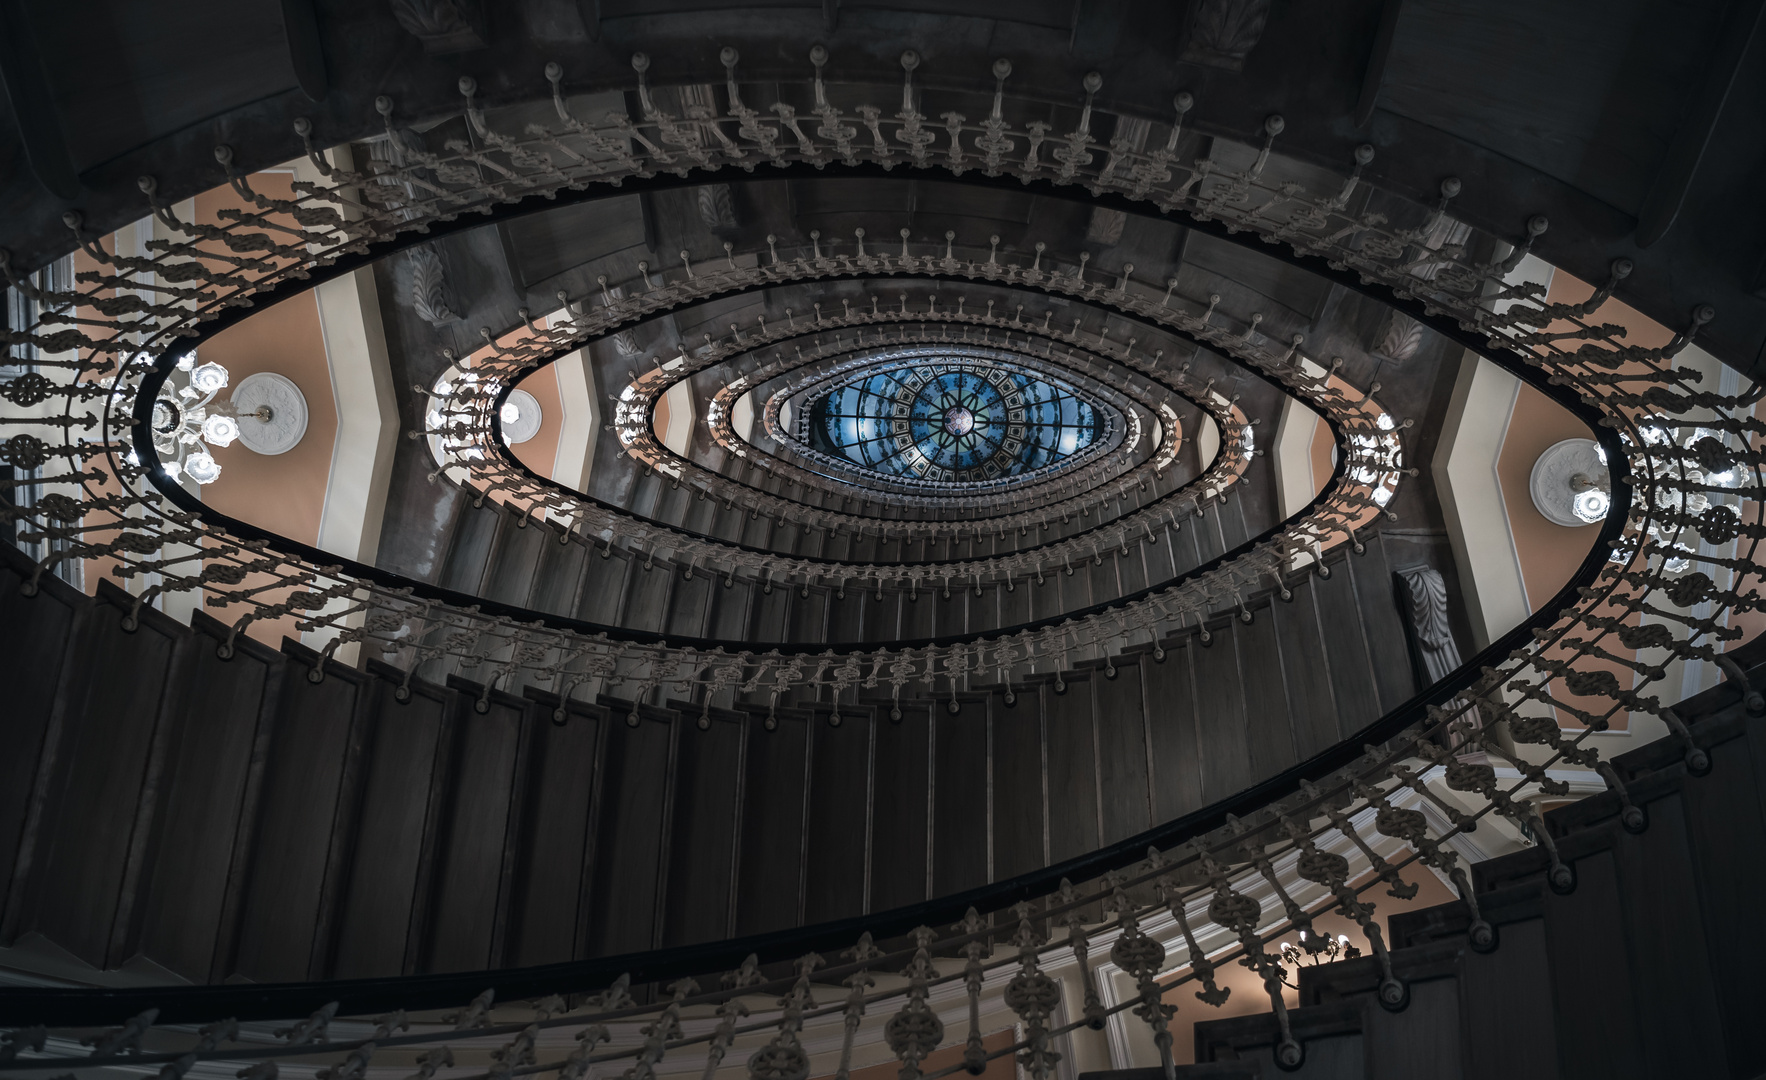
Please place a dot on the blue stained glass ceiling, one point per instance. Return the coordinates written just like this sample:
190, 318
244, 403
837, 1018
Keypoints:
953, 421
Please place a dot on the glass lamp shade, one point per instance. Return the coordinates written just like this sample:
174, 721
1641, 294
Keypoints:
220, 430
202, 468
208, 378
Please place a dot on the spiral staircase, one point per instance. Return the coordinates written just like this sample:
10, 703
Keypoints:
947, 657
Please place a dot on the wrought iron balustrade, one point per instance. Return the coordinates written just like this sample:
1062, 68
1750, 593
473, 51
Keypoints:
1685, 459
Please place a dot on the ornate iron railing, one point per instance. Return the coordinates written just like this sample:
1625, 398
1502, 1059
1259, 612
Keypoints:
464, 422
1684, 460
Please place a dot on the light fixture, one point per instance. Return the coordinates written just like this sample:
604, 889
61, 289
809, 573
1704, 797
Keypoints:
520, 417
208, 378
1569, 483
220, 430
201, 468
1322, 948
1591, 505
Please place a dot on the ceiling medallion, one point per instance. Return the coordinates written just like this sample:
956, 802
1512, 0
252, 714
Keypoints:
951, 417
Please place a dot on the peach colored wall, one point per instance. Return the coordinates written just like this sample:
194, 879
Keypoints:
540, 453
1322, 446
659, 419
1548, 552
284, 493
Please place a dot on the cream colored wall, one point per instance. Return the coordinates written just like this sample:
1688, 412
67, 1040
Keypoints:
1294, 436
580, 420
1465, 473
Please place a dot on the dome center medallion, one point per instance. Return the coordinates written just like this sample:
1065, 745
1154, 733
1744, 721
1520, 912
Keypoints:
958, 420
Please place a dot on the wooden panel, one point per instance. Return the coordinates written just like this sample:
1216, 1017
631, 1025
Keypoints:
809, 616
1233, 530
1122, 751
1073, 781
772, 827
1312, 702
36, 633
1101, 578
688, 605
555, 582
919, 613
375, 921
204, 787
509, 578
1669, 947
646, 602
1157, 557
1598, 1037
883, 619
839, 797
101, 763
703, 848
622, 918
729, 612
1171, 720
474, 832
1220, 715
549, 892
959, 809
1509, 991
1205, 532
898, 824
845, 617
1358, 700
1014, 605
292, 847
1018, 798
1390, 653
1186, 545
1423, 1040
770, 613
475, 532
1261, 665
602, 589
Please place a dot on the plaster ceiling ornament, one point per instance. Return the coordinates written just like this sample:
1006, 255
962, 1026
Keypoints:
1569, 483
520, 416
271, 413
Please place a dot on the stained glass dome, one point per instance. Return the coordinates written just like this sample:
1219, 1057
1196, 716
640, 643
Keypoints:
953, 420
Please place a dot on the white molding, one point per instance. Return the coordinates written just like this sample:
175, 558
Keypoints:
681, 413
580, 426
367, 417
1207, 442
1294, 483
1472, 434
1478, 529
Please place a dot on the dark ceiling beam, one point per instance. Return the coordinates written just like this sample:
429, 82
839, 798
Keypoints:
1693, 135
1375, 73
33, 106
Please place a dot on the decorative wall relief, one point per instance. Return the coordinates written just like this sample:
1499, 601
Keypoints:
429, 289
1401, 339
444, 26
1223, 32
1422, 601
